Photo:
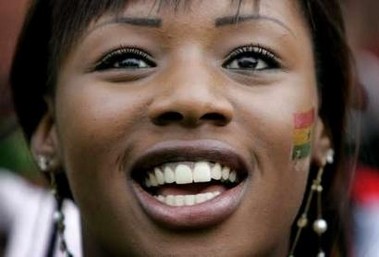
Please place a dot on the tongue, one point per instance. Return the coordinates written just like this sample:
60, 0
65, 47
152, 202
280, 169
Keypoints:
190, 189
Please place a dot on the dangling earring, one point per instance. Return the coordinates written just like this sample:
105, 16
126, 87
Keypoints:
319, 225
45, 164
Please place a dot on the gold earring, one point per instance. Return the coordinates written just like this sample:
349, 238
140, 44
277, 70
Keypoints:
320, 225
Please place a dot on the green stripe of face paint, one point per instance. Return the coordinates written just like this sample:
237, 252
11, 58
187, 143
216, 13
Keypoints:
301, 151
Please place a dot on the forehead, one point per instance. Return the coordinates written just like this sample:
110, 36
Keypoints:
208, 10
200, 14
86, 16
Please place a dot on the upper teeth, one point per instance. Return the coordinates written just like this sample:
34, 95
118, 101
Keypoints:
187, 173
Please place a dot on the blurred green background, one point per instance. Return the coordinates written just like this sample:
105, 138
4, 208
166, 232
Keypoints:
16, 157
14, 154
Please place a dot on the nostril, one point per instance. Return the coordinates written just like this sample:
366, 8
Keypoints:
216, 118
177, 117
168, 117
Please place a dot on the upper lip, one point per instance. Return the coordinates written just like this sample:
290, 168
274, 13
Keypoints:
189, 151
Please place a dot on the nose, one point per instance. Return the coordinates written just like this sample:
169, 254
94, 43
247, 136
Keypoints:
191, 96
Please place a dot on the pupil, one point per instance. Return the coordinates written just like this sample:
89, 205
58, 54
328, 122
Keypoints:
247, 62
134, 63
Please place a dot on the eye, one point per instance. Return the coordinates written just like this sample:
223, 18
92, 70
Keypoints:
125, 58
251, 58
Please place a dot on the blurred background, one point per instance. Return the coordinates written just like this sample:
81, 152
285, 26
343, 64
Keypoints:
362, 20
13, 153
362, 23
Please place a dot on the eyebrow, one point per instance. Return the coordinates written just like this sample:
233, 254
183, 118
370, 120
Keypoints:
234, 20
137, 21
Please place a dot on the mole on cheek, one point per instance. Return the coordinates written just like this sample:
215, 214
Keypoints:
303, 125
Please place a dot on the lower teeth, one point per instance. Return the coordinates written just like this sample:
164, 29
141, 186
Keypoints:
186, 200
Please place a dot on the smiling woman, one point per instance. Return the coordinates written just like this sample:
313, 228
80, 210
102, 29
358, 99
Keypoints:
186, 128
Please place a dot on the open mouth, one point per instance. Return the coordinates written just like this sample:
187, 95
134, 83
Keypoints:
188, 183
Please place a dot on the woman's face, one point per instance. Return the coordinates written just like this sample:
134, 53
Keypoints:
187, 131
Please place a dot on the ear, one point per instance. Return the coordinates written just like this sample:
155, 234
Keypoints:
44, 141
322, 143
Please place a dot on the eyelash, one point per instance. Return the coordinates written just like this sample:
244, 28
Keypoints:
256, 51
110, 59
114, 57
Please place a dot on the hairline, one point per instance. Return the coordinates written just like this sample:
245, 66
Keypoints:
69, 36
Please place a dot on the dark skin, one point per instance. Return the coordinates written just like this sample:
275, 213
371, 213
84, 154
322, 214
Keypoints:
197, 79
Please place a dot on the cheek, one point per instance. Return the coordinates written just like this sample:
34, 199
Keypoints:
268, 118
97, 115
94, 121
268, 114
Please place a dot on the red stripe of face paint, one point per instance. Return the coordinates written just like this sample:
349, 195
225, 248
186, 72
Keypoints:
304, 119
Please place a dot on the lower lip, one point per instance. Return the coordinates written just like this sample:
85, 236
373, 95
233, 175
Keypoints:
202, 215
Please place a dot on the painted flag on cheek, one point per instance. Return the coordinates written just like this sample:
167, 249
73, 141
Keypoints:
303, 125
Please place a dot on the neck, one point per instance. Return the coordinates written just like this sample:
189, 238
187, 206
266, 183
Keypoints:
90, 246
